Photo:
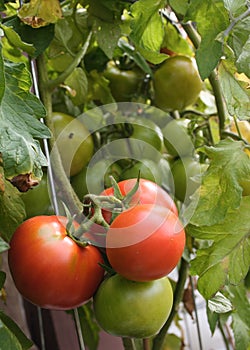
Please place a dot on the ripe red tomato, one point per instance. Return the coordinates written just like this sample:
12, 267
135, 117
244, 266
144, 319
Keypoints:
147, 193
145, 242
49, 268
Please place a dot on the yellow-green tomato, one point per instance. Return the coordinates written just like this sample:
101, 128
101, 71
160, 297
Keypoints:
133, 309
177, 83
177, 141
74, 142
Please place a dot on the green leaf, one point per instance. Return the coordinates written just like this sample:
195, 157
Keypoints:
175, 42
241, 320
107, 35
179, 6
11, 336
12, 212
210, 49
3, 245
235, 7
147, 29
219, 304
221, 188
236, 95
227, 258
19, 113
78, 84
40, 38
242, 62
89, 326
16, 41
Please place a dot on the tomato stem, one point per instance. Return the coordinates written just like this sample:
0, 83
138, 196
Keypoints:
213, 78
158, 341
128, 344
146, 344
51, 84
61, 180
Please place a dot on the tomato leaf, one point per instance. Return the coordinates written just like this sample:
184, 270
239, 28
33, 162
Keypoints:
219, 304
237, 95
40, 38
147, 29
227, 258
12, 211
39, 13
108, 30
11, 335
19, 113
16, 41
77, 83
221, 188
210, 49
241, 321
3, 246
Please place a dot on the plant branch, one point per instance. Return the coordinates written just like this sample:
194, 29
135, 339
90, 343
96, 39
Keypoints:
51, 84
213, 79
237, 20
178, 293
61, 180
146, 344
128, 344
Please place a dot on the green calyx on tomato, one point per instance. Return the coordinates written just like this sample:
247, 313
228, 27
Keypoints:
124, 84
177, 83
49, 268
133, 309
148, 192
145, 242
74, 142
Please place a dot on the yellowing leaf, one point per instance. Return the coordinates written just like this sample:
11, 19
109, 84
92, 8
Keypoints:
39, 13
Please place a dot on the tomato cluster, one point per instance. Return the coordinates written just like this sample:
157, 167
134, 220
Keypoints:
144, 243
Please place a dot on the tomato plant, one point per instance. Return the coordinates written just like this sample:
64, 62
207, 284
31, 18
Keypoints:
74, 142
49, 268
124, 83
177, 83
133, 309
145, 242
194, 69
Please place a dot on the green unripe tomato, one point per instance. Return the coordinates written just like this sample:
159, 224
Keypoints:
177, 83
95, 178
177, 141
186, 175
148, 169
37, 200
133, 309
74, 142
124, 84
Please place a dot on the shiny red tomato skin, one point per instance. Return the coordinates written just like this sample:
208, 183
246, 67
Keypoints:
145, 242
147, 193
51, 270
